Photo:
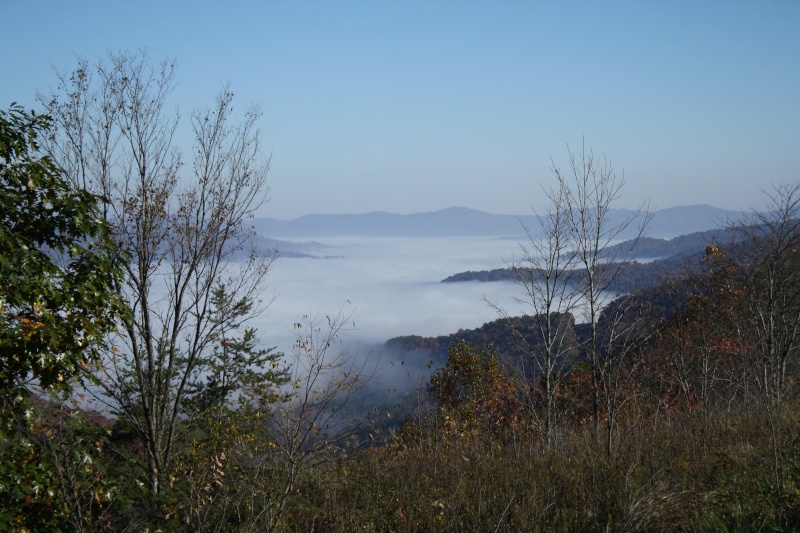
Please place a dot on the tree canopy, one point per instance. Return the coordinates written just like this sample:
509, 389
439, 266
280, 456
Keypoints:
57, 276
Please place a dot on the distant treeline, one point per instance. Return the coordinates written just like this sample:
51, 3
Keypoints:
680, 256
657, 304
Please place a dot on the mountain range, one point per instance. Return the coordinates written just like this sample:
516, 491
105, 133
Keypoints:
462, 221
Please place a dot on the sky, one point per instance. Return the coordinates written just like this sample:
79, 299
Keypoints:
416, 106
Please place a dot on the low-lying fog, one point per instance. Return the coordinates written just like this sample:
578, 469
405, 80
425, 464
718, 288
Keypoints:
392, 286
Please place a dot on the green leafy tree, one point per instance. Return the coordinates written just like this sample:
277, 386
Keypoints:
57, 277
237, 374
57, 306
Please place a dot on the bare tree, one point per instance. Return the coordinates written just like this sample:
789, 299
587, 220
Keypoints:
545, 271
757, 277
567, 267
590, 189
320, 416
181, 231
765, 265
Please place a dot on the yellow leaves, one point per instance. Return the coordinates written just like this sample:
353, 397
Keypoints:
711, 251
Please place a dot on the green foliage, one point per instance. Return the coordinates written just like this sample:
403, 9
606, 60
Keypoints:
53, 469
221, 450
58, 305
57, 272
27, 483
237, 373
223, 476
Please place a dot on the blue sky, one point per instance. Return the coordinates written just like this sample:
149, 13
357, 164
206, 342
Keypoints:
416, 106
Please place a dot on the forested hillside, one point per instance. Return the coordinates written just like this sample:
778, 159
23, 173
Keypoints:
676, 258
135, 395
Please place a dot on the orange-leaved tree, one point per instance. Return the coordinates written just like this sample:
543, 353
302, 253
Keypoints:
475, 391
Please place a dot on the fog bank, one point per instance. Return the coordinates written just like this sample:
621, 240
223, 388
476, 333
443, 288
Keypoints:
391, 286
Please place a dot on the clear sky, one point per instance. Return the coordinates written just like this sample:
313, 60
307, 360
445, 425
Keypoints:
416, 106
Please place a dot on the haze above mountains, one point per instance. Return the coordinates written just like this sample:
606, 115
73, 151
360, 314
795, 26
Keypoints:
461, 221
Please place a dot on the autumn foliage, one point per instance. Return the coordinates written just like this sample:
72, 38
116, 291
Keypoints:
474, 391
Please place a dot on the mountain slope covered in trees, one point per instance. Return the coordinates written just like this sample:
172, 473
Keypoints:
676, 258
626, 400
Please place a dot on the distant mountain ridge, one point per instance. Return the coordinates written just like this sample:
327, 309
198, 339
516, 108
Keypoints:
463, 221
